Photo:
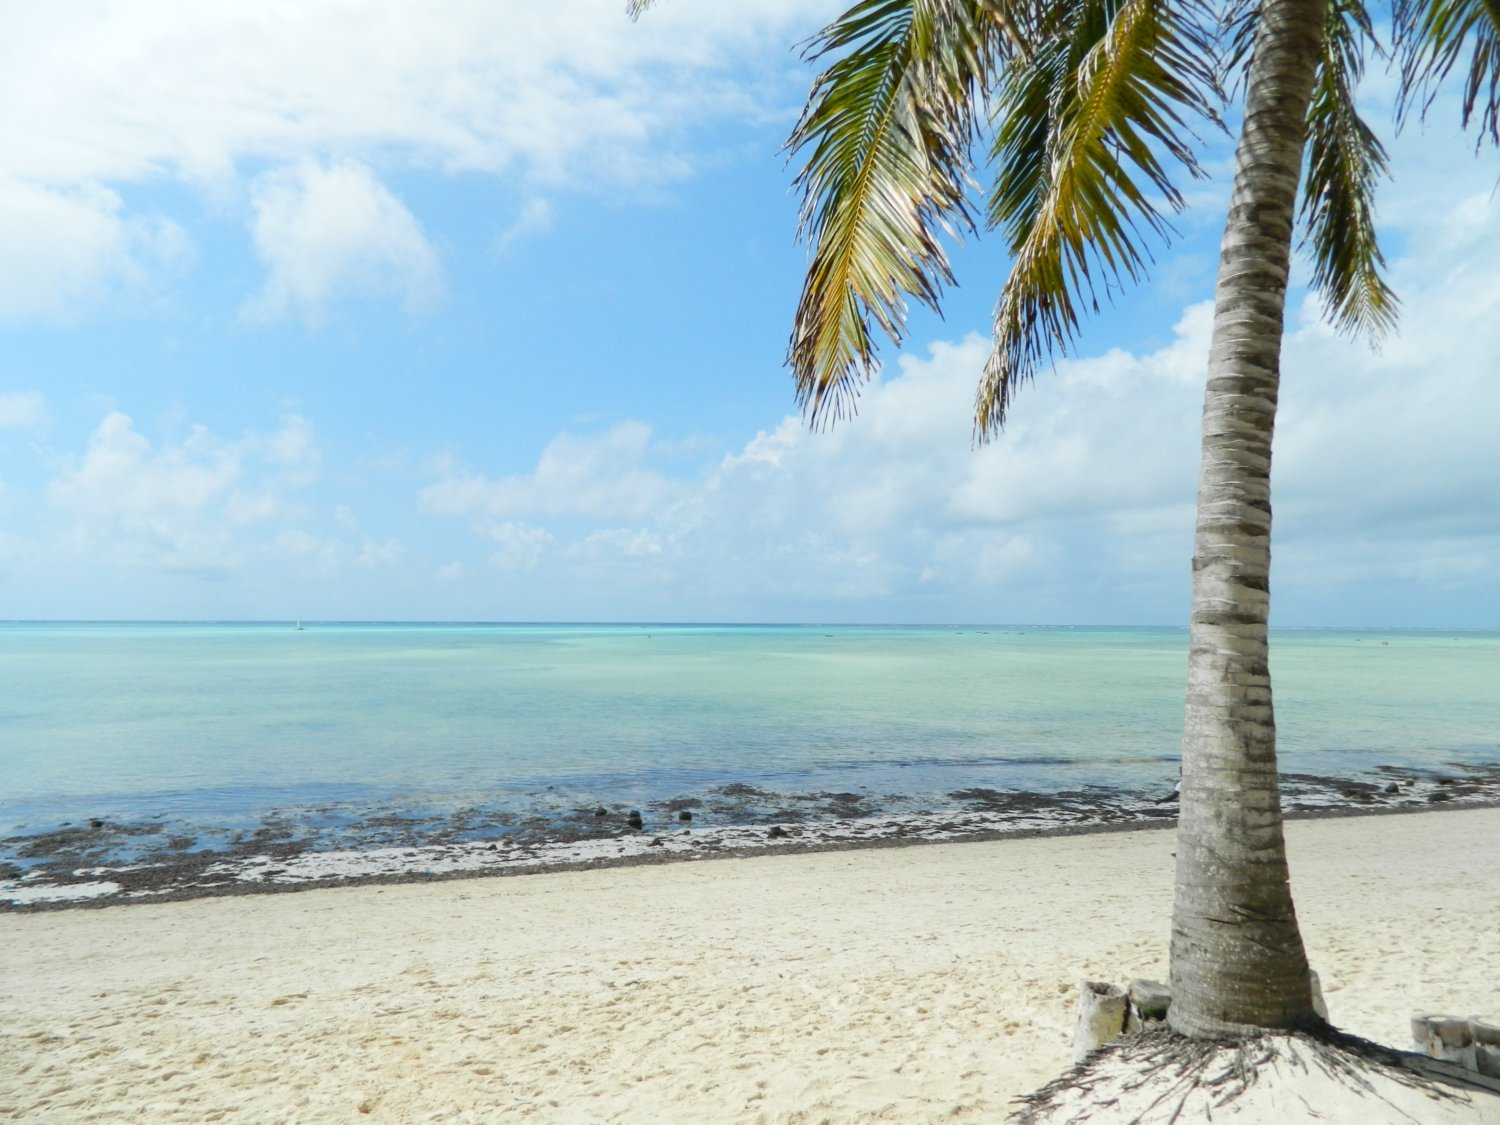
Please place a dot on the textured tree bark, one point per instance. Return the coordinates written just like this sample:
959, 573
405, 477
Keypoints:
1238, 964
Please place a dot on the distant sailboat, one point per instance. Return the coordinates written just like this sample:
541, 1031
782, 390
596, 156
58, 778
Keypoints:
299, 624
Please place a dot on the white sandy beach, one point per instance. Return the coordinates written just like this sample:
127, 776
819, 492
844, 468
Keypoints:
911, 984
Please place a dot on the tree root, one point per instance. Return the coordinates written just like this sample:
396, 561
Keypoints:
1157, 1075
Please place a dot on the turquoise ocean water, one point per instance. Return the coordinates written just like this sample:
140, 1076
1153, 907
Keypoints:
217, 725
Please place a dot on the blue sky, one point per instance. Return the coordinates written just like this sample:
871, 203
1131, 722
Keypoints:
462, 311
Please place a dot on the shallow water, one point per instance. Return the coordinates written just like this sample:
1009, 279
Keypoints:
211, 728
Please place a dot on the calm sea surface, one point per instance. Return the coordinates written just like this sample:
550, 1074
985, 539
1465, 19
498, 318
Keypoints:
220, 724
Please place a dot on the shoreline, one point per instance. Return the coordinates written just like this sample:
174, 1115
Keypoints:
290, 867
906, 984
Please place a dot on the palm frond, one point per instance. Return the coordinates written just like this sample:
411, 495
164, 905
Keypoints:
1237, 44
1431, 38
887, 133
1086, 126
634, 8
1345, 160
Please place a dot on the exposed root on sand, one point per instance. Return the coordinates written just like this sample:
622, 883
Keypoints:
1158, 1076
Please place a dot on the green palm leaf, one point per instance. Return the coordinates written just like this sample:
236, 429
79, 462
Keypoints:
1345, 161
886, 134
1087, 125
1430, 38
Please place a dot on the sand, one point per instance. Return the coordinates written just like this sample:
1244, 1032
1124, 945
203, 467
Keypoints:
914, 984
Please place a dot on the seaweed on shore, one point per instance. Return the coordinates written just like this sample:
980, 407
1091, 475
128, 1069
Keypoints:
109, 860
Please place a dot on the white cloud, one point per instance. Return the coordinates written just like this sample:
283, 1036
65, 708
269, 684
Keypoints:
619, 543
246, 507
297, 552
1387, 467
64, 247
327, 230
323, 554
521, 546
147, 506
895, 507
292, 449
601, 477
124, 92
122, 474
535, 218
22, 410
179, 506
468, 84
374, 554
61, 248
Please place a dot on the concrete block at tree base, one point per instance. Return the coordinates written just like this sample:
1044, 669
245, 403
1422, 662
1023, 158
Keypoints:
1150, 998
1486, 1046
1101, 1017
1487, 1060
1486, 1032
1319, 1005
1449, 1038
1107, 1011
1149, 1001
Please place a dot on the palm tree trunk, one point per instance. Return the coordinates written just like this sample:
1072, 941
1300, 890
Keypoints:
1238, 964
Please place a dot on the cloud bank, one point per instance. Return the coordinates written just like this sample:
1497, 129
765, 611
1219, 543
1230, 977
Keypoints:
333, 98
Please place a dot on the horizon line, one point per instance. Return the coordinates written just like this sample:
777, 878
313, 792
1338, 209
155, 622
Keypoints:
692, 624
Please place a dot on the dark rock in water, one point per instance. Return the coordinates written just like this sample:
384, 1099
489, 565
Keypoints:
1392, 788
777, 832
1356, 790
840, 804
96, 823
655, 843
1441, 780
1434, 798
601, 811
740, 789
685, 816
634, 819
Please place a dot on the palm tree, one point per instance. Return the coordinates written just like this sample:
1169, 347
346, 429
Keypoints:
1088, 106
